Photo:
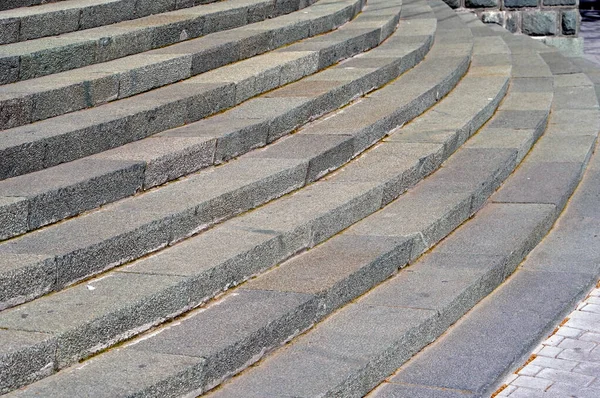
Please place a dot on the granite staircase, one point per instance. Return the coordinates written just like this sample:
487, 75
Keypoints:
280, 198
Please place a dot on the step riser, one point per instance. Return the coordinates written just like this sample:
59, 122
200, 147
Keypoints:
18, 27
17, 64
242, 354
64, 202
33, 281
151, 119
99, 84
343, 292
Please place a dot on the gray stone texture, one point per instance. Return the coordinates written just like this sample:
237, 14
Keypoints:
569, 21
127, 372
129, 37
336, 358
13, 216
520, 3
486, 342
539, 23
24, 358
493, 17
481, 3
236, 330
541, 182
70, 190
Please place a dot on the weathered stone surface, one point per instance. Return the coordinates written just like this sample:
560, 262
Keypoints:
481, 3
24, 276
13, 216
24, 358
539, 23
497, 332
541, 182
70, 189
336, 357
496, 17
125, 373
83, 319
520, 3
235, 330
340, 270
569, 22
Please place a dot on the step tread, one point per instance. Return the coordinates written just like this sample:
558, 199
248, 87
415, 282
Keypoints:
48, 55
207, 207
422, 287
53, 18
44, 144
88, 86
553, 277
373, 247
333, 198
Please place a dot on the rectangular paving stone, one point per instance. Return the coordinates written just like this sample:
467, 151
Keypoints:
571, 248
339, 270
502, 229
448, 284
333, 355
575, 98
215, 255
396, 166
125, 372
234, 331
527, 101
496, 334
84, 318
304, 221
533, 84
477, 171
563, 149
68, 189
541, 182
519, 140
519, 119
432, 214
165, 158
323, 152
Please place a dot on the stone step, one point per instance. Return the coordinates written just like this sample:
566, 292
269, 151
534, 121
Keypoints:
10, 4
553, 277
54, 18
68, 189
51, 258
72, 136
48, 55
45, 97
330, 206
357, 347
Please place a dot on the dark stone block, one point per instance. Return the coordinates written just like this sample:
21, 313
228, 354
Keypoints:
481, 3
539, 23
520, 3
569, 22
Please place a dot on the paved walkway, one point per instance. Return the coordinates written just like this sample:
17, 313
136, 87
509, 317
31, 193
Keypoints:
567, 364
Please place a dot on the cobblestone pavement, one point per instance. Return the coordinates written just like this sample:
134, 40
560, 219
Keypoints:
567, 364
